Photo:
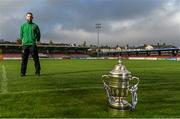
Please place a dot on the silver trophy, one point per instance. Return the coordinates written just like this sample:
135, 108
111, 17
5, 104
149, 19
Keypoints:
117, 84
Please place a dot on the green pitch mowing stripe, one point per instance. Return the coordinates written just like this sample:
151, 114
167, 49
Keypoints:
73, 88
50, 90
4, 81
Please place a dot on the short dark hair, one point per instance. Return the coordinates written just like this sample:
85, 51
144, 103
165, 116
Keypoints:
29, 13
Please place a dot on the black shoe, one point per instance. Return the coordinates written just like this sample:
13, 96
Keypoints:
22, 75
37, 74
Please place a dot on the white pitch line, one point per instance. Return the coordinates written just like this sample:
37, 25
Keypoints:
4, 82
52, 90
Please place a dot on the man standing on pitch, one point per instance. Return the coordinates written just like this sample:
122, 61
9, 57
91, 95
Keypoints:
30, 36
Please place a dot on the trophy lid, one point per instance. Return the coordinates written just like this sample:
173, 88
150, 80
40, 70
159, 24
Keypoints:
120, 70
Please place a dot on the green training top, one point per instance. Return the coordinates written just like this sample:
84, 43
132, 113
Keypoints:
29, 33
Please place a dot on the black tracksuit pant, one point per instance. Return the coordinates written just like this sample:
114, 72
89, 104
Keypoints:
26, 50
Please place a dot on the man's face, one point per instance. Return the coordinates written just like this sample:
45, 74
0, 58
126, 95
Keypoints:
29, 17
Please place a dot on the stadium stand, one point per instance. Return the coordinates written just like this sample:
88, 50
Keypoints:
10, 50
45, 51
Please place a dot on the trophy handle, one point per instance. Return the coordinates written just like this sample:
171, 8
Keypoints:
105, 79
133, 89
136, 79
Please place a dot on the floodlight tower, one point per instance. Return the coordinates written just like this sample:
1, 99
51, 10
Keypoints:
98, 27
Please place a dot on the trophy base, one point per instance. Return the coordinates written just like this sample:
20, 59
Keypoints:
121, 105
118, 113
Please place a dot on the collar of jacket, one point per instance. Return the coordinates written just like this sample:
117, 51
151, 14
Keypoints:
29, 22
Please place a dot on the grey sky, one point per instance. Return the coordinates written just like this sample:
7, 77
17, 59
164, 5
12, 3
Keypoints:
134, 22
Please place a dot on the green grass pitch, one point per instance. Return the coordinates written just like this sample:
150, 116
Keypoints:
73, 88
